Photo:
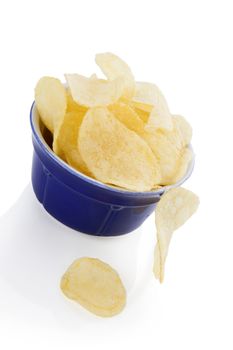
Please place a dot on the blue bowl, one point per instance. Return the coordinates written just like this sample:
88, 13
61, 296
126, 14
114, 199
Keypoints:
83, 203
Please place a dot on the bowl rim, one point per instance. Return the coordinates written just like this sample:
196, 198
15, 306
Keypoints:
34, 121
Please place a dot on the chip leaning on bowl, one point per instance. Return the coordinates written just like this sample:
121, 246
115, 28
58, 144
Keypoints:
117, 131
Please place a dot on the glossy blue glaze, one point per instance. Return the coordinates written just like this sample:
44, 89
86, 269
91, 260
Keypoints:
80, 202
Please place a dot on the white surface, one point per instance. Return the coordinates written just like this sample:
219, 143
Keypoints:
186, 48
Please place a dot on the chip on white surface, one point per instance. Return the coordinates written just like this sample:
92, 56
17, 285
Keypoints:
95, 285
174, 208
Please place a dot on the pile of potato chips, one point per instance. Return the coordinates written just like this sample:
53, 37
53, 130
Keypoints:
115, 130
120, 132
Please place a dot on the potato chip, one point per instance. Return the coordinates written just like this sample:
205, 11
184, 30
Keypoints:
184, 128
147, 96
174, 208
168, 147
50, 99
159, 118
145, 107
115, 154
126, 115
142, 114
163, 148
166, 153
95, 285
92, 92
183, 164
113, 67
65, 139
175, 137
71, 104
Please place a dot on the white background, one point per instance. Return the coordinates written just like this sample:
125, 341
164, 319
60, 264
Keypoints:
186, 48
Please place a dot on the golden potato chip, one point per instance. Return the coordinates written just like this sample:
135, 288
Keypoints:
184, 128
71, 104
95, 285
142, 114
126, 115
183, 164
92, 92
115, 154
168, 147
175, 137
166, 153
50, 99
159, 118
66, 138
147, 96
174, 208
173, 165
113, 67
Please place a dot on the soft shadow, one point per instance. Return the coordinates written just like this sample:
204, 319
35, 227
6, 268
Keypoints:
35, 250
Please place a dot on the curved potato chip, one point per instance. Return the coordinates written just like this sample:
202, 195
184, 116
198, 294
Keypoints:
183, 164
166, 154
95, 285
114, 67
175, 207
50, 99
169, 148
159, 118
65, 139
142, 114
184, 128
92, 92
147, 96
175, 137
115, 154
126, 115
71, 104
142, 106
